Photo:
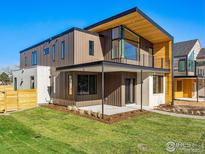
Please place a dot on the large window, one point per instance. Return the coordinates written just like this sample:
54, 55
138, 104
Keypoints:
87, 84
157, 84
54, 52
34, 58
182, 65
91, 48
125, 44
62, 49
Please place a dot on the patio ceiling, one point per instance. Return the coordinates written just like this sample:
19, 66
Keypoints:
136, 21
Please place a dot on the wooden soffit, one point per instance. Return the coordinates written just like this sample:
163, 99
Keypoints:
137, 21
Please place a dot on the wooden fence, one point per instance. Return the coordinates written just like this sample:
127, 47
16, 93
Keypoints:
11, 100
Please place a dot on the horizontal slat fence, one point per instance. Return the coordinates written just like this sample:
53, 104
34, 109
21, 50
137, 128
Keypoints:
11, 100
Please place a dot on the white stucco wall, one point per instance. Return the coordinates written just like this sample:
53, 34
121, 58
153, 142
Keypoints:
43, 84
41, 78
23, 77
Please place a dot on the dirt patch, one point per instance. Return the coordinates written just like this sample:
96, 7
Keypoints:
107, 119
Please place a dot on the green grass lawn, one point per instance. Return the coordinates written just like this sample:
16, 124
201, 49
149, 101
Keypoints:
43, 130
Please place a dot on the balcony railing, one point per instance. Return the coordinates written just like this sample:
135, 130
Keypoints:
146, 61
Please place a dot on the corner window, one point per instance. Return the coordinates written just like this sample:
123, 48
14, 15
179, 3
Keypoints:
157, 84
87, 84
34, 58
54, 52
179, 85
62, 49
182, 65
46, 51
91, 48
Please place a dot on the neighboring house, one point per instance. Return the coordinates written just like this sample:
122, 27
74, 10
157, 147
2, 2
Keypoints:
188, 81
125, 59
201, 72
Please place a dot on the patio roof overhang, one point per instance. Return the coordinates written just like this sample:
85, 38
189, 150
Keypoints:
109, 67
138, 22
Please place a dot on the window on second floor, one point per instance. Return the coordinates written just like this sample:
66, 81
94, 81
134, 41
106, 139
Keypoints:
182, 65
91, 48
26, 61
62, 49
125, 44
54, 52
46, 51
34, 58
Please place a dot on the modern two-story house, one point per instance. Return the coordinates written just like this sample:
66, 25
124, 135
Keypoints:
124, 59
188, 70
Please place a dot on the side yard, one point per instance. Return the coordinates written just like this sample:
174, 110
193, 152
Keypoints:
42, 130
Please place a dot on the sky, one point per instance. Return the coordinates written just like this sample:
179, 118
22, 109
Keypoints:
24, 23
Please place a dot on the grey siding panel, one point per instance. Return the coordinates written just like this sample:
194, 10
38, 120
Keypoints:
47, 60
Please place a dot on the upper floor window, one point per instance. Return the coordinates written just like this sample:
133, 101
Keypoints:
46, 51
91, 48
54, 52
62, 49
26, 61
34, 58
182, 65
116, 33
125, 44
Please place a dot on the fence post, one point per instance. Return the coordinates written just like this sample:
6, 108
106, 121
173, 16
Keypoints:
17, 93
5, 102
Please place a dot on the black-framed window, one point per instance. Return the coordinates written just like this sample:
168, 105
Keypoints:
179, 85
32, 82
182, 65
87, 85
91, 48
158, 84
46, 51
63, 50
34, 58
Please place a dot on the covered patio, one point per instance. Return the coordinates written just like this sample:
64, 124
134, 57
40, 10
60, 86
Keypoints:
103, 68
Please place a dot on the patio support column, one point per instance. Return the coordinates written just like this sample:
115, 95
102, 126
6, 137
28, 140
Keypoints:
103, 78
141, 89
197, 89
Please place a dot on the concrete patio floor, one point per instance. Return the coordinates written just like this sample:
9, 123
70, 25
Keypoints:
111, 110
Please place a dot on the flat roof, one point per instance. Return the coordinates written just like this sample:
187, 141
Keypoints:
56, 36
137, 21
